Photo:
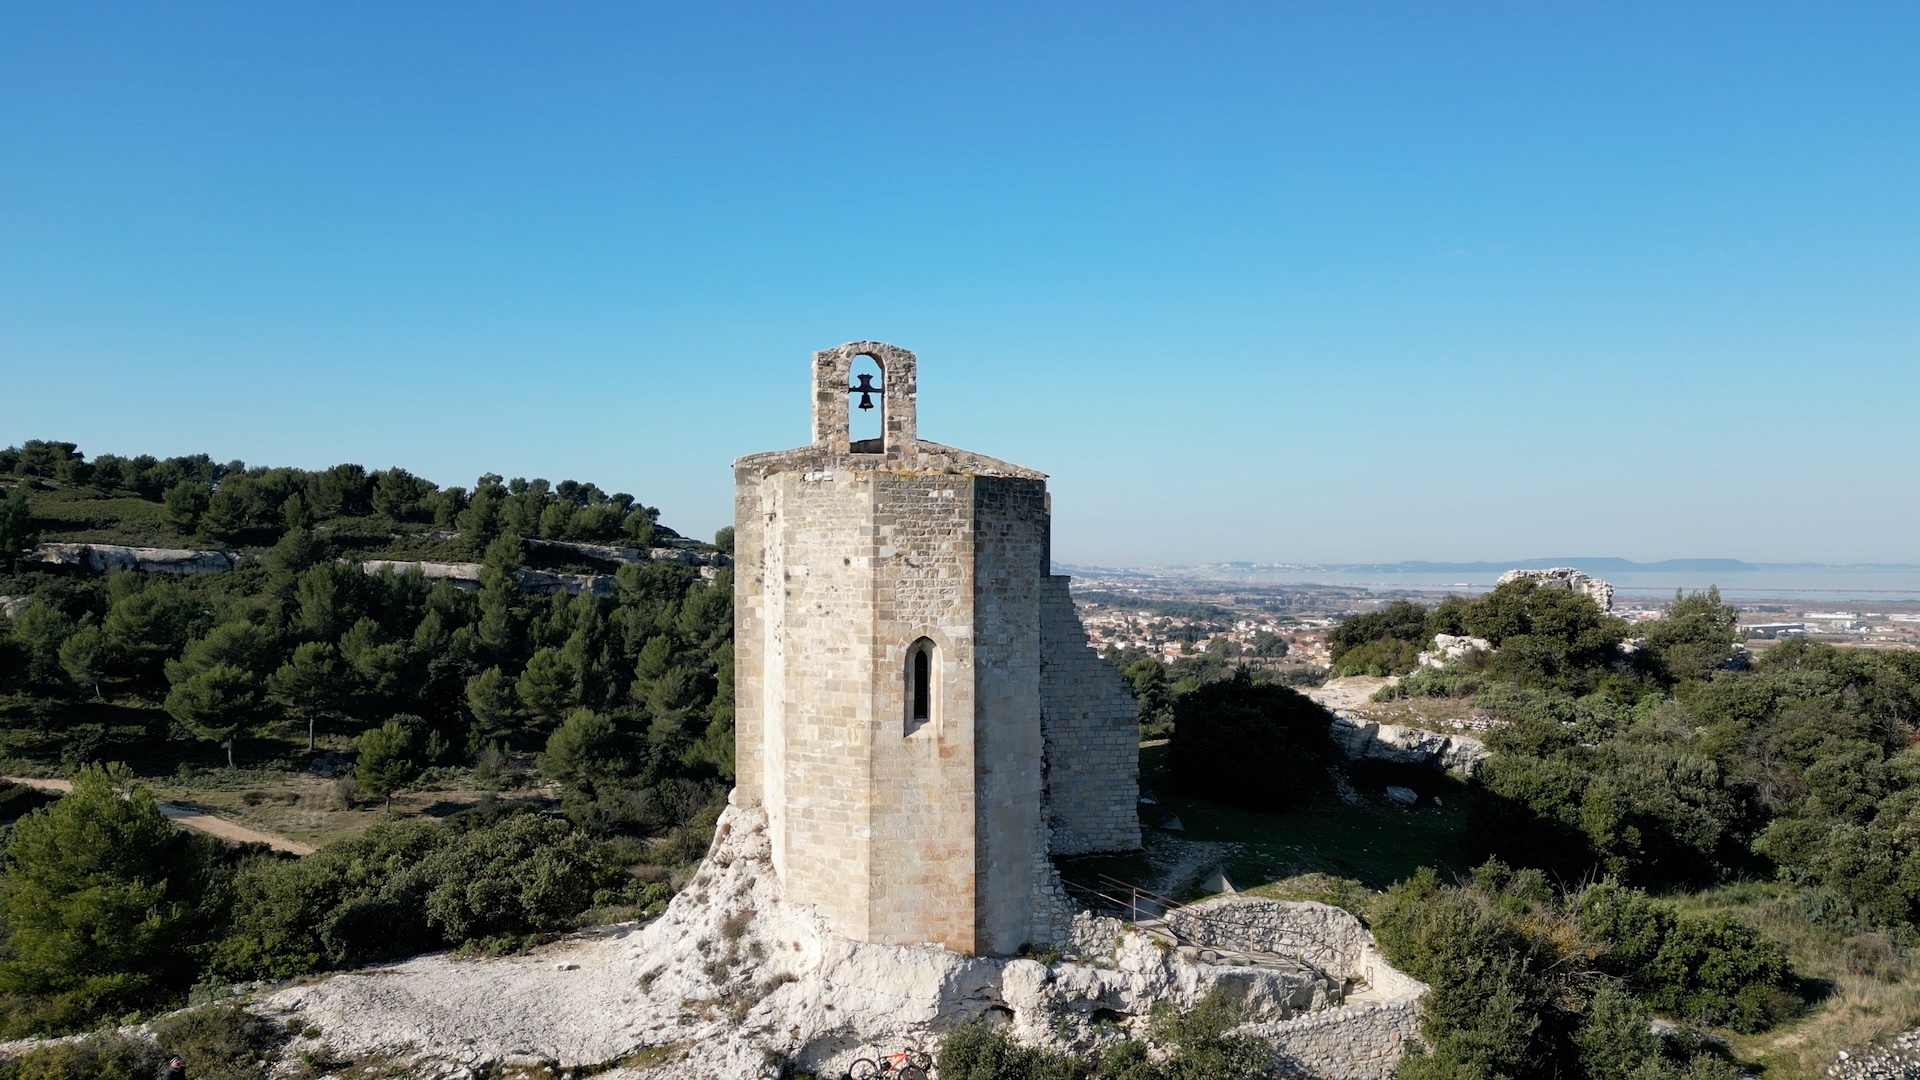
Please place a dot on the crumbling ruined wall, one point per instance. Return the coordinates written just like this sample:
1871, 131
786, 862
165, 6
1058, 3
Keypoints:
1091, 726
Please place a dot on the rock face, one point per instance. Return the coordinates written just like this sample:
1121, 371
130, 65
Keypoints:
99, 557
1566, 577
732, 981
466, 576
615, 554
1360, 738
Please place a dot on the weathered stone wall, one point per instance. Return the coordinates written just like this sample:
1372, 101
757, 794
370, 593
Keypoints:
1327, 937
920, 562
1359, 1041
818, 721
1091, 726
1010, 553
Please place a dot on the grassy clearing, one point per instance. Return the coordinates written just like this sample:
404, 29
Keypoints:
1368, 839
308, 807
280, 787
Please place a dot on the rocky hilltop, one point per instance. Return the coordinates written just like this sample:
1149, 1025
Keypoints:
733, 982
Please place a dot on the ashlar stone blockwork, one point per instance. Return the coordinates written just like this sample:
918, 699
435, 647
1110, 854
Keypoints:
851, 557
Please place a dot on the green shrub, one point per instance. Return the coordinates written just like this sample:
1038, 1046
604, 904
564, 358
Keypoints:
1447, 682
1248, 744
1402, 621
1713, 970
407, 887
1511, 975
1382, 656
101, 906
96, 1057
219, 1042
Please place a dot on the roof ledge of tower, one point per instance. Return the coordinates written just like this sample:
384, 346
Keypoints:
924, 457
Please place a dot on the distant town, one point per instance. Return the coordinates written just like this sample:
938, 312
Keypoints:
1183, 613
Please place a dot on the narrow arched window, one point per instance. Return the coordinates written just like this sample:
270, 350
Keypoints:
922, 692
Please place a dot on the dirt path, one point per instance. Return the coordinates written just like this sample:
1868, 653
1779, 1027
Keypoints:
190, 817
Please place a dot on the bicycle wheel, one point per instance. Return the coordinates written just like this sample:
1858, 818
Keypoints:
911, 1071
863, 1069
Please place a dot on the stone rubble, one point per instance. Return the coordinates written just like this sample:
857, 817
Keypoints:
1895, 1058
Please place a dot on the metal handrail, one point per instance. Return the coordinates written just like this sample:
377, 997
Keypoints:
1163, 914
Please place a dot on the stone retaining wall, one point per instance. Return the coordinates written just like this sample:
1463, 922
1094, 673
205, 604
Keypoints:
1360, 1041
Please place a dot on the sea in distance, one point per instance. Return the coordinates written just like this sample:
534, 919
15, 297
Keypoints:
1737, 580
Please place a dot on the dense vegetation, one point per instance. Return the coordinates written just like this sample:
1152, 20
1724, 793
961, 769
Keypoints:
1527, 983
623, 701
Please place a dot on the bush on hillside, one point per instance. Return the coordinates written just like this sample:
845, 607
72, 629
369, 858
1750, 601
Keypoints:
407, 887
1249, 744
1514, 990
1708, 970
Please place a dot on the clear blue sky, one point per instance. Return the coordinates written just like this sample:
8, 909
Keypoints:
1268, 281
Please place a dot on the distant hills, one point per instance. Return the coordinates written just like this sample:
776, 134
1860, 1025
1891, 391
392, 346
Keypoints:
1592, 564
1601, 565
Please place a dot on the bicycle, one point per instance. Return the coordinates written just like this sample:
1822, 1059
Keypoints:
905, 1065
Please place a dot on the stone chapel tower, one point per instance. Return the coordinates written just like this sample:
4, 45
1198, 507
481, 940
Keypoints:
918, 710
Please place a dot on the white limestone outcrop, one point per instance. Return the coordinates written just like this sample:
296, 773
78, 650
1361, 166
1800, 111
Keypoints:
1452, 648
100, 557
1363, 739
1566, 577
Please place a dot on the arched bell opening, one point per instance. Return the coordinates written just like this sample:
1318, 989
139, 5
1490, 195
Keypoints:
867, 412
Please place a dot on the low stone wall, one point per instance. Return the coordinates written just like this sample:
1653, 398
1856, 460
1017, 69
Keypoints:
1360, 1041
1327, 937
